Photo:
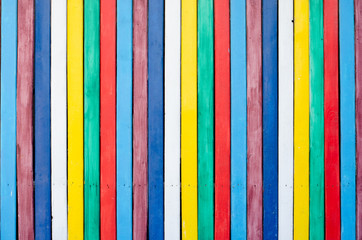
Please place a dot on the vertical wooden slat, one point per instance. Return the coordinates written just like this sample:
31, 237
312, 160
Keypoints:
301, 119
59, 119
8, 119
24, 133
331, 118
316, 121
205, 119
108, 119
254, 121
238, 117
75, 118
124, 119
172, 118
189, 119
348, 123
140, 156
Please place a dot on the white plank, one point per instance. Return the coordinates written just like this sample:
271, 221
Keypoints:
285, 124
59, 119
172, 118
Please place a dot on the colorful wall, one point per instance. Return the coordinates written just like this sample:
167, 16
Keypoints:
181, 119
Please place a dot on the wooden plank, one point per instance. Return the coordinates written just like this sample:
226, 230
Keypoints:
42, 154
91, 119
316, 121
59, 119
222, 119
285, 121
238, 118
254, 121
189, 119
8, 119
24, 133
172, 118
155, 118
301, 119
140, 141
205, 118
270, 118
75, 118
108, 119
347, 118
331, 118
124, 119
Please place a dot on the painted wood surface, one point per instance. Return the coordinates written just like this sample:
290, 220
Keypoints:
222, 119
254, 120
24, 133
108, 119
316, 121
347, 118
285, 121
189, 228
205, 118
172, 119
75, 118
59, 119
124, 119
42, 154
8, 195
301, 119
238, 118
155, 118
140, 141
331, 120
91, 119
270, 118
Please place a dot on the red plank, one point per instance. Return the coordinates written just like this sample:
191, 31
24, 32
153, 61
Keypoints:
24, 133
140, 161
254, 121
108, 118
222, 119
331, 120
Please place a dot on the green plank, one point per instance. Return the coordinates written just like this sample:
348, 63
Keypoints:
91, 119
316, 121
205, 119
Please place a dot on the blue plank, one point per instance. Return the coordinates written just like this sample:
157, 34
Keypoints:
347, 116
270, 119
8, 119
42, 120
124, 119
155, 118
238, 118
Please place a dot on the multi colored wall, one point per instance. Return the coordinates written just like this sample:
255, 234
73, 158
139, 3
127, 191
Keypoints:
181, 119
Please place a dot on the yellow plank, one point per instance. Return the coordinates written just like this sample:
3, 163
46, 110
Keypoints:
301, 119
75, 118
189, 118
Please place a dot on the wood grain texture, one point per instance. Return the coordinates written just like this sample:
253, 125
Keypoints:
75, 118
238, 118
301, 119
205, 118
124, 119
348, 120
316, 121
172, 118
8, 193
331, 120
24, 133
140, 156
189, 228
254, 120
222, 119
108, 119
